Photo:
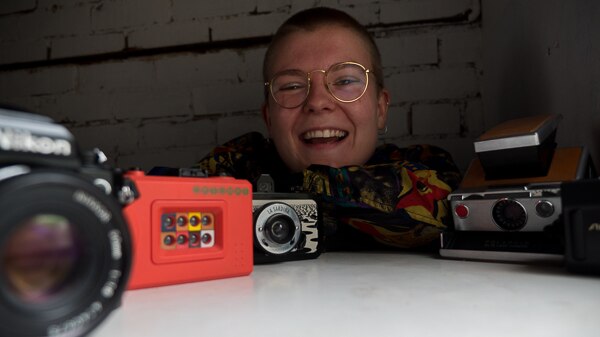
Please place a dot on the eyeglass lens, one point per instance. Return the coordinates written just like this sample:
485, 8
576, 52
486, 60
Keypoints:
346, 82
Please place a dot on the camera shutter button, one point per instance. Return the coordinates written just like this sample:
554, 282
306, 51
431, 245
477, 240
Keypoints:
461, 210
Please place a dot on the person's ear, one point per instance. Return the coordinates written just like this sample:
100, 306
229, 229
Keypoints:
383, 103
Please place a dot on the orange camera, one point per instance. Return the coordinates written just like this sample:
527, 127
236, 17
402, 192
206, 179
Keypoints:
188, 228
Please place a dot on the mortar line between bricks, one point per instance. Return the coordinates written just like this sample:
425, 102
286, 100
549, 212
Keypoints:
203, 47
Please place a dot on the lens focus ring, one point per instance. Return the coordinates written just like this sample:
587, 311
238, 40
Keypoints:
277, 228
509, 214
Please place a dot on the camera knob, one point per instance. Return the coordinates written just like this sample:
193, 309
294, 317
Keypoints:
126, 195
94, 157
103, 185
544, 208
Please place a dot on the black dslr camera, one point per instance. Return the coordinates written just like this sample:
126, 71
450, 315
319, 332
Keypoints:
287, 226
65, 249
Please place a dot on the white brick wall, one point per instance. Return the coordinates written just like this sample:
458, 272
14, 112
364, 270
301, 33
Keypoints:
409, 50
168, 35
63, 47
154, 82
8, 7
442, 118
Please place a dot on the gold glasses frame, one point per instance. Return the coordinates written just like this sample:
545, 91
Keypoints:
325, 73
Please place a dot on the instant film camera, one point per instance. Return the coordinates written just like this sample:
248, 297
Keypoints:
287, 226
65, 249
511, 204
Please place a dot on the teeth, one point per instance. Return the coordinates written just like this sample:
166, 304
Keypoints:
327, 133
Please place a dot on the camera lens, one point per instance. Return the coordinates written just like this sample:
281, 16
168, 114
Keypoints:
280, 228
40, 256
168, 222
206, 238
64, 254
168, 240
277, 228
509, 214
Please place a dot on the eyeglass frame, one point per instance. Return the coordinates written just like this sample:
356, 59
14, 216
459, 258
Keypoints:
325, 72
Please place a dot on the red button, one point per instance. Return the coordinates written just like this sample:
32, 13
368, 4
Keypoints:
461, 211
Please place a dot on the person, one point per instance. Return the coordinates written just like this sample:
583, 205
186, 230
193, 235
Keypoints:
325, 107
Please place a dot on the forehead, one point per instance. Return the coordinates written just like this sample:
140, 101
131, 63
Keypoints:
319, 49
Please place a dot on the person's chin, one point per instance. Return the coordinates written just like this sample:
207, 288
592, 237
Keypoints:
336, 160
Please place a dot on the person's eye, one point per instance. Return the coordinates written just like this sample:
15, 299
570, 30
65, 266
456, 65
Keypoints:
345, 81
292, 86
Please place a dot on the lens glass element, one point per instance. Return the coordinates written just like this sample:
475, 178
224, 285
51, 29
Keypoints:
280, 228
509, 214
40, 256
277, 228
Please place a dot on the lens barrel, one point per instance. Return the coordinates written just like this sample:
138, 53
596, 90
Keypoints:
65, 254
277, 228
509, 214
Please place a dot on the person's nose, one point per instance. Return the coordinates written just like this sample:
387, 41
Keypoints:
319, 98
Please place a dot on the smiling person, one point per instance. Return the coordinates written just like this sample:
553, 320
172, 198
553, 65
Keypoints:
325, 106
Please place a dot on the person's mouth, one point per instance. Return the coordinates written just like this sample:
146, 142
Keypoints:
322, 136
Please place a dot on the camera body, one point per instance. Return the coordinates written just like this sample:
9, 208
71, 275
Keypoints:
64, 244
581, 216
286, 226
527, 208
512, 210
516, 219
189, 228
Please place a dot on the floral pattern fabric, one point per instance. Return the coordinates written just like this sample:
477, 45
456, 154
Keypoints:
397, 199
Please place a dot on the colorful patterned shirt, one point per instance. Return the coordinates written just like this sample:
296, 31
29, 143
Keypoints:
397, 199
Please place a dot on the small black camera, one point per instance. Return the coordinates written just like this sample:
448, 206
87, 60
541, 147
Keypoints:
286, 226
65, 249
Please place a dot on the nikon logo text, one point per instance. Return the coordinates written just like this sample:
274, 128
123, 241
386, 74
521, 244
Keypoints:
24, 141
594, 227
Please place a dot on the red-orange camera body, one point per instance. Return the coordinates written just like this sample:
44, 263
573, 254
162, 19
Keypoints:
188, 229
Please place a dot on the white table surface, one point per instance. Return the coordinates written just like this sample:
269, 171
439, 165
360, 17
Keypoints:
369, 294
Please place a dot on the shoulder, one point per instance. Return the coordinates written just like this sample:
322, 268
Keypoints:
419, 157
387, 153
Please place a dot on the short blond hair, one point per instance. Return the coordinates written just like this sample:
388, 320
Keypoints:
314, 18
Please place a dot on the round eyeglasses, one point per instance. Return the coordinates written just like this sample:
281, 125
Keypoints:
346, 82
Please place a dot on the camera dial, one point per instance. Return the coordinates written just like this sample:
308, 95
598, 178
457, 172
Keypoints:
277, 228
509, 214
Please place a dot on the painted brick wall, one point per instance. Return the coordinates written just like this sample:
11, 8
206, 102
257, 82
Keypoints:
155, 82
